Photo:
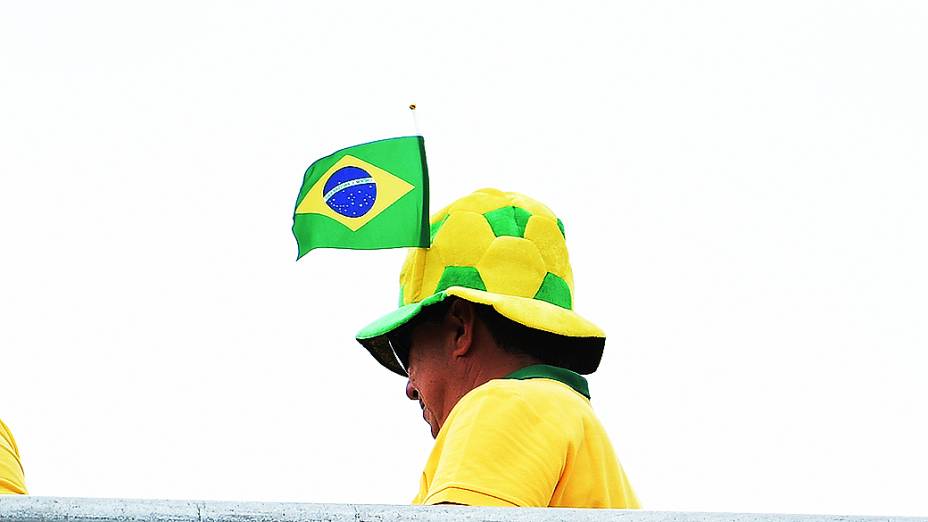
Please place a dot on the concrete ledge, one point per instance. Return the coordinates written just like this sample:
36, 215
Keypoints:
61, 509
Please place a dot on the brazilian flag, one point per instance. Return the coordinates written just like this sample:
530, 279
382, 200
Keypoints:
366, 197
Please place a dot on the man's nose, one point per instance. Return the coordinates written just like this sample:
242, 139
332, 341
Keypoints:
411, 392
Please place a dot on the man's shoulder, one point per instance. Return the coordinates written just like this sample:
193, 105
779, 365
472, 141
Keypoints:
535, 387
539, 395
11, 470
549, 413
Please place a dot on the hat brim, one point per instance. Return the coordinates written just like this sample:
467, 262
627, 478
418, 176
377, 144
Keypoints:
583, 338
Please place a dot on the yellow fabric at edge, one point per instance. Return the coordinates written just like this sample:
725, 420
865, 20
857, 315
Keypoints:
527, 443
11, 470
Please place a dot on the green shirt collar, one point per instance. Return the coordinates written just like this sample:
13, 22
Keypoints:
544, 371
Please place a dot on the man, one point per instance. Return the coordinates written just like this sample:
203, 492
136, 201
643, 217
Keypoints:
493, 352
11, 471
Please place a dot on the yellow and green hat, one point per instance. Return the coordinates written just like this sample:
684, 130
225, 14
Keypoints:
501, 249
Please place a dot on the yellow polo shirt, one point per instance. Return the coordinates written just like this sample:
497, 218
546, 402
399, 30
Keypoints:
11, 471
528, 440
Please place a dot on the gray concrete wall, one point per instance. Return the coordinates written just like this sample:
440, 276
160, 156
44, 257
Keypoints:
57, 509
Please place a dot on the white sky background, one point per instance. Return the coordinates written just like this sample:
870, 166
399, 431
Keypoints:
743, 186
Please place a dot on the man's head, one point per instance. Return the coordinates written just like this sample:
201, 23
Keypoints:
495, 289
447, 352
453, 347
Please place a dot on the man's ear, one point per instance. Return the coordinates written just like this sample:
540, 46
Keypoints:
460, 320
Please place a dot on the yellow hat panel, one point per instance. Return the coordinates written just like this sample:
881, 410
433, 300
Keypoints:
512, 266
449, 245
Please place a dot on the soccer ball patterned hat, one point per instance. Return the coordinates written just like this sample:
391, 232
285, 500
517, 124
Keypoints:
501, 249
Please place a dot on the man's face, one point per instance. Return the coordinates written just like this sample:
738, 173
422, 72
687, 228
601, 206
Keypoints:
427, 364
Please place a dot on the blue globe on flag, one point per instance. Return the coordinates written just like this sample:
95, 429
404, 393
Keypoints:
350, 191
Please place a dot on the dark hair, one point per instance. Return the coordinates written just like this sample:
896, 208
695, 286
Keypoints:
516, 338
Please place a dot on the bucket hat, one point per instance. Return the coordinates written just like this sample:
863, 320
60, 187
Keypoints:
501, 249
